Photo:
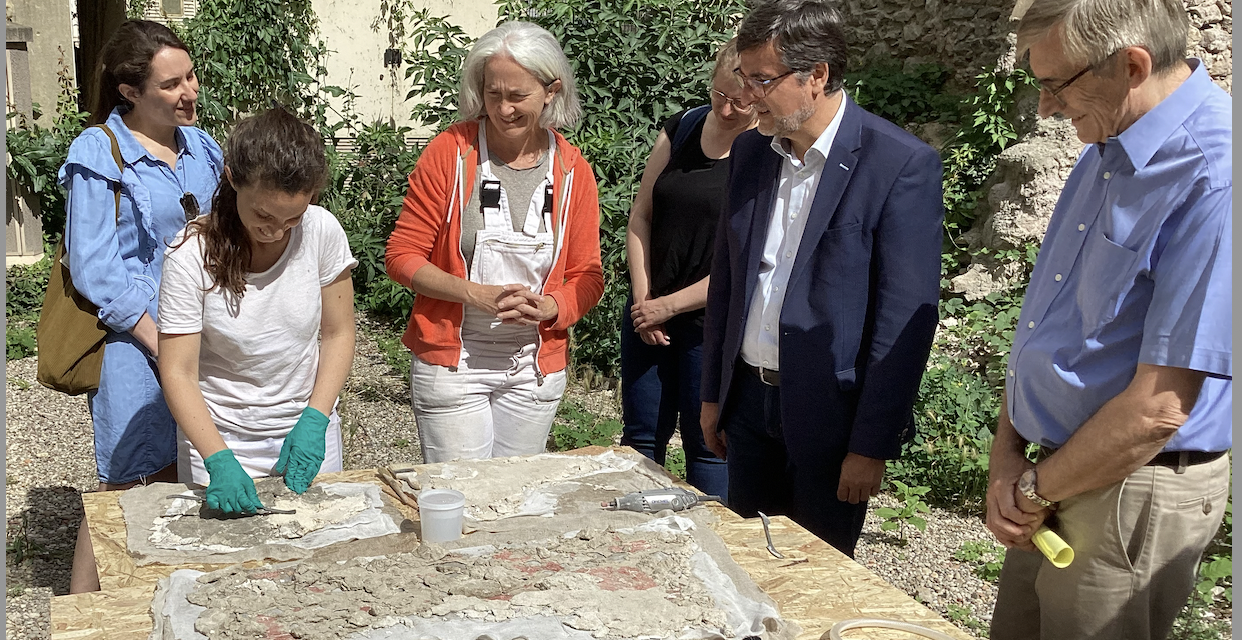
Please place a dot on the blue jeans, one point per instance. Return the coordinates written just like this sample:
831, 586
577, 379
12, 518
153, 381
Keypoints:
659, 385
763, 477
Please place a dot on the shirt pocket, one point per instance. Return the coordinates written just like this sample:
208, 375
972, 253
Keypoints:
1106, 272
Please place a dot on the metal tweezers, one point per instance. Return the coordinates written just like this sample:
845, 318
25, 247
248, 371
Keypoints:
265, 511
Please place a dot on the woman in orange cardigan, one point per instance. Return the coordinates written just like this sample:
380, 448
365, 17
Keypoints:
499, 237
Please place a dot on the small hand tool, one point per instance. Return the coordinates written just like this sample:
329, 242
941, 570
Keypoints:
399, 487
767, 533
265, 511
653, 500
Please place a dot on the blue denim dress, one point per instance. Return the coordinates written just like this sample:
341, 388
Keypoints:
117, 265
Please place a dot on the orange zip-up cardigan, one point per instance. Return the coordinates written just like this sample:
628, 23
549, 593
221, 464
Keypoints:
428, 231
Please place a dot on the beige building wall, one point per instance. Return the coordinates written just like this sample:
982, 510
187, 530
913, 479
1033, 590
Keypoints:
357, 35
52, 43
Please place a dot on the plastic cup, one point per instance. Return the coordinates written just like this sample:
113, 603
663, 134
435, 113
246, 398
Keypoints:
440, 511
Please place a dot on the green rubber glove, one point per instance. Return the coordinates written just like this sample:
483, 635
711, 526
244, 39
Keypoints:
230, 489
304, 450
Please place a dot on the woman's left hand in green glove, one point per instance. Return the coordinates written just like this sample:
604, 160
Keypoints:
303, 451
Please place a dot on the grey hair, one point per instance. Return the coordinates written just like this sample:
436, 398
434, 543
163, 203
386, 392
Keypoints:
537, 51
1092, 30
805, 32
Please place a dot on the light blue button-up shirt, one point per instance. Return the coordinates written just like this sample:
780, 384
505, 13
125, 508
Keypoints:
1136, 267
117, 264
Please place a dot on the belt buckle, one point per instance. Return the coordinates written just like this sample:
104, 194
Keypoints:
763, 377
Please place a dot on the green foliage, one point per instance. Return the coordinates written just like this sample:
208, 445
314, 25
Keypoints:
574, 427
136, 9
387, 338
1197, 621
986, 130
1216, 569
1215, 579
248, 54
365, 188
986, 556
963, 617
435, 53
24, 288
19, 340
675, 462
37, 152
911, 501
903, 97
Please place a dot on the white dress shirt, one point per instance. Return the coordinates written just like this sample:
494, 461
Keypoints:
794, 195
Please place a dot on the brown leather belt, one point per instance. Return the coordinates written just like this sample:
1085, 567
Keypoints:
1170, 459
770, 377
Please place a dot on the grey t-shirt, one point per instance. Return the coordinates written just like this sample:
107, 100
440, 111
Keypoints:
518, 184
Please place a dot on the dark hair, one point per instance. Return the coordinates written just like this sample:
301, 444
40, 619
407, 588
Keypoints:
805, 32
274, 150
126, 59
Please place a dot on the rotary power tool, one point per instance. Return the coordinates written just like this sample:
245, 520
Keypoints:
653, 500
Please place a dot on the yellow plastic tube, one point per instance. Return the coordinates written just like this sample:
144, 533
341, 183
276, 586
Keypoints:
1053, 547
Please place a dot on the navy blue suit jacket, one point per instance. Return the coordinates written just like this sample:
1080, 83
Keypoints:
860, 308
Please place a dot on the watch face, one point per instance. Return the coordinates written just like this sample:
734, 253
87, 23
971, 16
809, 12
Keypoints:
1027, 481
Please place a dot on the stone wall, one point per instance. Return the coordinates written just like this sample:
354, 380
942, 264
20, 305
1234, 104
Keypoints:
968, 35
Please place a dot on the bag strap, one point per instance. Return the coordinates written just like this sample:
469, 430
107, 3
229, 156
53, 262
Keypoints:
689, 120
120, 164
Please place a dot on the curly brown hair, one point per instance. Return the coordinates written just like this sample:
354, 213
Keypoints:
275, 150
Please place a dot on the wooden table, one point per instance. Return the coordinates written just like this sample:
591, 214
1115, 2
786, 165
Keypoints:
815, 585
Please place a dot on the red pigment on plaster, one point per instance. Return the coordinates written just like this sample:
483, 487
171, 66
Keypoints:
620, 578
272, 629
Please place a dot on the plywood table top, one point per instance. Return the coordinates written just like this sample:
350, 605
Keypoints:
815, 585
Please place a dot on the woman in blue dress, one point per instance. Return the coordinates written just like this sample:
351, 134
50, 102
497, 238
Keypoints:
168, 171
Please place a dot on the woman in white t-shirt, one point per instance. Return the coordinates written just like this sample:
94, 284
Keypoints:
247, 293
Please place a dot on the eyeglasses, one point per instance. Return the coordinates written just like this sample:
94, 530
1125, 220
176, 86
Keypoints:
734, 102
1055, 92
190, 205
761, 87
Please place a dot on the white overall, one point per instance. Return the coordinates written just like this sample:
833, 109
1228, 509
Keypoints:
496, 402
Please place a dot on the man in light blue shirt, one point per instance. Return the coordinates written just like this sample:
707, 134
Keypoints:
1121, 369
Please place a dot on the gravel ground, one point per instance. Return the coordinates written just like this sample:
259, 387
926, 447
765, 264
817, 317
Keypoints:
50, 461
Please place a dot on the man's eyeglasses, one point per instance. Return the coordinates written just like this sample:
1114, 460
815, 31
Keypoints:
734, 102
1055, 92
190, 205
761, 87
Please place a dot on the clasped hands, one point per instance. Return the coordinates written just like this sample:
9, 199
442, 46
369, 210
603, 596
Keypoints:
516, 304
1011, 516
649, 317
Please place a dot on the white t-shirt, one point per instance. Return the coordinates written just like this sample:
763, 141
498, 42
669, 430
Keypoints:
259, 355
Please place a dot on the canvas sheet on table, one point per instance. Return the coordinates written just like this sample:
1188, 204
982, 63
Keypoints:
749, 612
329, 513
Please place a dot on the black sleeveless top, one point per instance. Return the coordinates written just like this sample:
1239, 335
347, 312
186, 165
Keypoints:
687, 201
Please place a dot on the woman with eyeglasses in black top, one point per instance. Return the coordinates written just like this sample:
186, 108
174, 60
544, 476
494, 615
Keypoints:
669, 243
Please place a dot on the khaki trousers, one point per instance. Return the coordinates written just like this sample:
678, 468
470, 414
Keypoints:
1137, 546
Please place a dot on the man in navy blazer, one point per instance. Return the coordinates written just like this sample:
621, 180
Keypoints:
824, 287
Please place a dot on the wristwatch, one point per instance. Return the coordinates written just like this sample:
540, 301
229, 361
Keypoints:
1026, 485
